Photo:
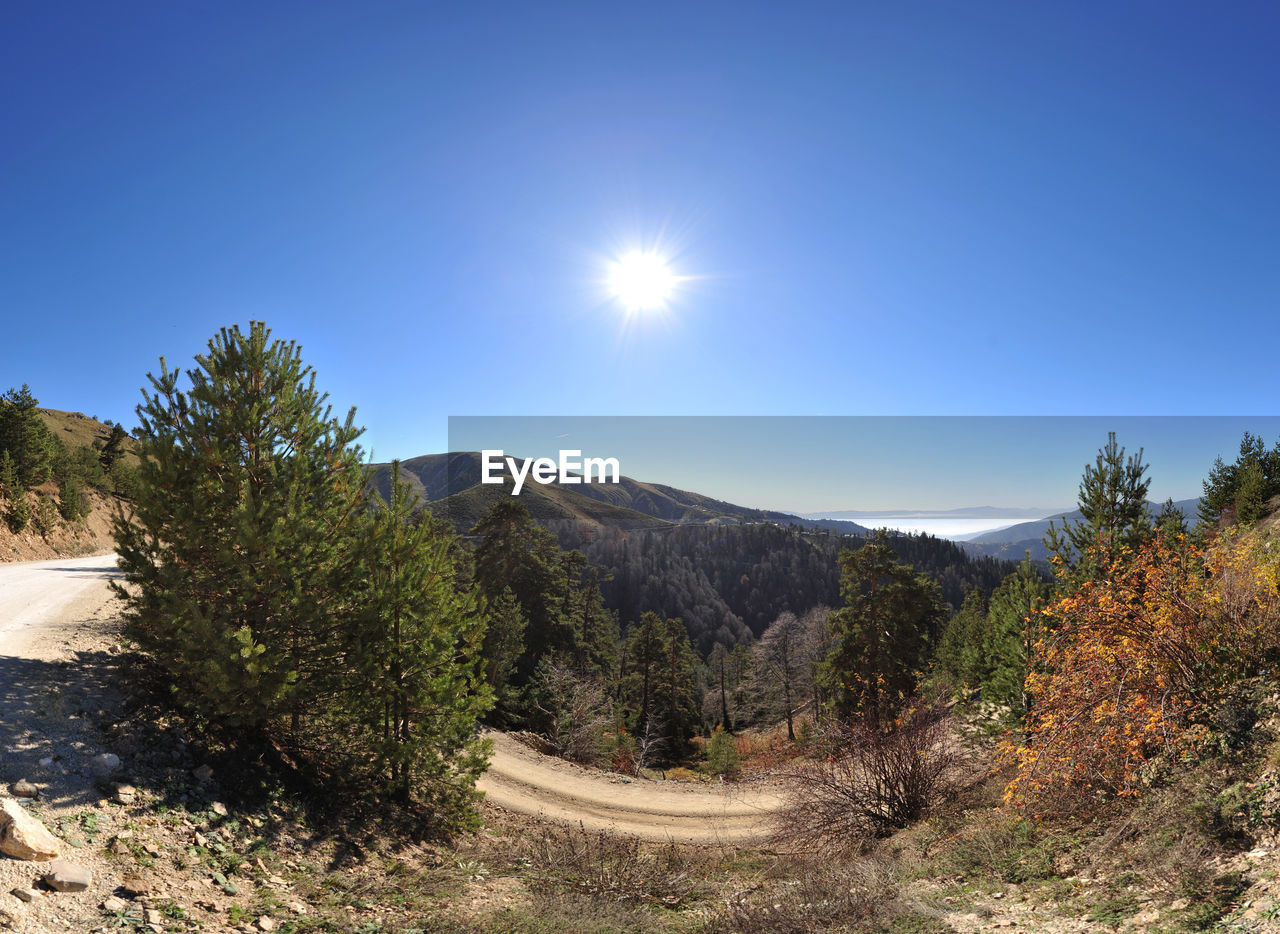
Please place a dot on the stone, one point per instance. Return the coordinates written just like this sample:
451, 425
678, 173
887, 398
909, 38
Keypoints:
135, 885
125, 794
203, 775
24, 837
218, 808
27, 895
106, 763
119, 847
24, 789
266, 923
64, 876
151, 916
115, 903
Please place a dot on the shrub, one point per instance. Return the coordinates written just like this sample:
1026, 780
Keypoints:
870, 781
722, 755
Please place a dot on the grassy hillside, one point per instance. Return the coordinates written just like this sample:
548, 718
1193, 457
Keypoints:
74, 429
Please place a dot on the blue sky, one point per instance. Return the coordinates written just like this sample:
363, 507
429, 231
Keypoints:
913, 208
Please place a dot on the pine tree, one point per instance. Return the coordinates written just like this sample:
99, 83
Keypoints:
890, 618
1013, 627
72, 502
113, 447
238, 554
8, 475
416, 683
19, 514
26, 437
1113, 501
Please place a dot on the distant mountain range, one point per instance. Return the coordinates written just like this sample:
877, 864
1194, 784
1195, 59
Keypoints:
449, 486
964, 512
1014, 541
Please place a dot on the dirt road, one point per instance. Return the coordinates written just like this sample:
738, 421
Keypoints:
39, 599
521, 780
46, 606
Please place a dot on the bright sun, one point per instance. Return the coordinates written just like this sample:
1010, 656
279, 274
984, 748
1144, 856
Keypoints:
642, 281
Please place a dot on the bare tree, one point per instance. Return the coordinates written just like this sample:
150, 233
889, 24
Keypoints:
783, 662
574, 711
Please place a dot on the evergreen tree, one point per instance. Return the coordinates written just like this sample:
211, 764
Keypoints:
73, 504
19, 513
238, 554
960, 648
890, 617
1113, 501
1010, 634
660, 688
113, 447
26, 437
415, 681
9, 485
1242, 491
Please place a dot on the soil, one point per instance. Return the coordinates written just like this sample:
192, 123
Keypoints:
526, 782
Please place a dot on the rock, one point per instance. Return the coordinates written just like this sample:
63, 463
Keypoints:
106, 763
125, 794
24, 789
115, 903
64, 876
135, 885
266, 923
119, 847
27, 895
24, 837
203, 775
151, 916
218, 808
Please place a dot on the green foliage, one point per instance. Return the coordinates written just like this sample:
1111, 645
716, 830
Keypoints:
24, 435
544, 602
1113, 500
1242, 490
19, 514
891, 617
414, 682
112, 448
9, 485
73, 504
722, 755
659, 688
960, 645
238, 557
45, 518
276, 602
1011, 631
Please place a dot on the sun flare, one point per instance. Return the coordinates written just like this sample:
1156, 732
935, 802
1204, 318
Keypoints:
642, 281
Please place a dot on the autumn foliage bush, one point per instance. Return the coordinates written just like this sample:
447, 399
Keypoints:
1130, 664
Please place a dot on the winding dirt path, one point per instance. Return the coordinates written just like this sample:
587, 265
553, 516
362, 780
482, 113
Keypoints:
526, 782
45, 607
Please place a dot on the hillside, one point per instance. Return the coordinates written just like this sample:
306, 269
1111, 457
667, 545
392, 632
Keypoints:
1014, 541
726, 570
449, 484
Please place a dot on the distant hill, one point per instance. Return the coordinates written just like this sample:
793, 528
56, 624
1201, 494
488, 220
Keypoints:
449, 485
1014, 541
77, 430
727, 571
